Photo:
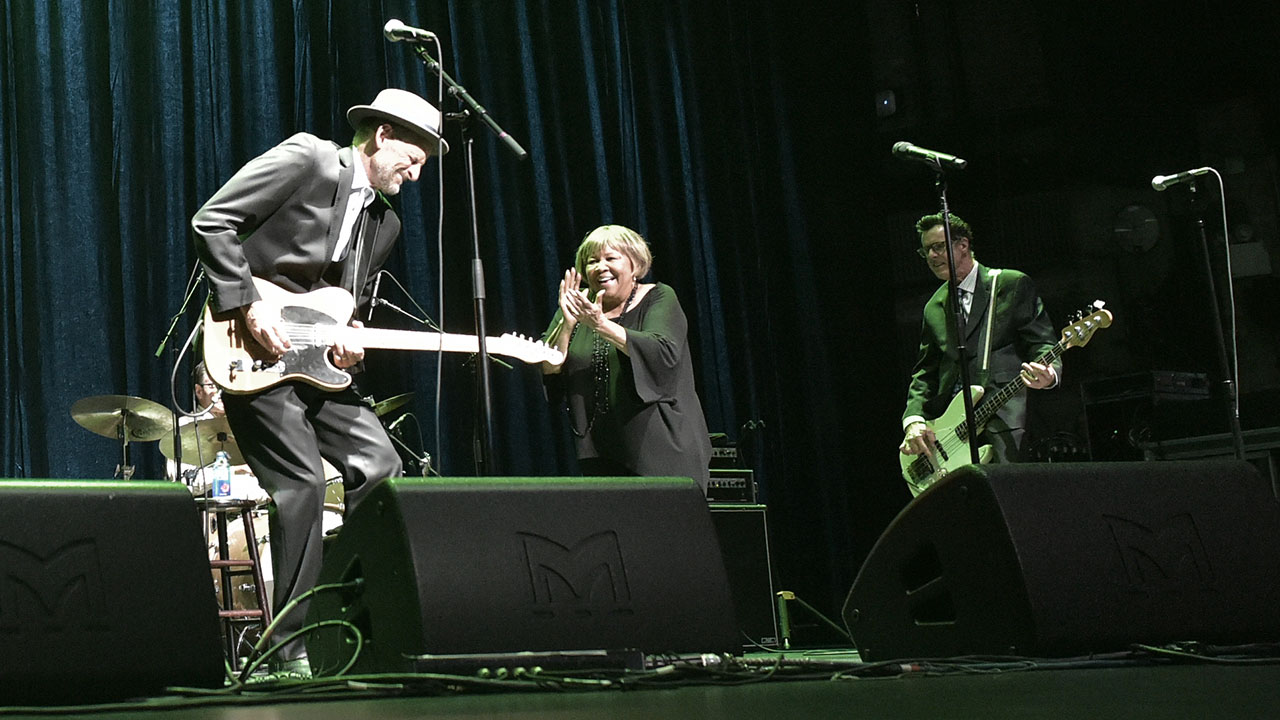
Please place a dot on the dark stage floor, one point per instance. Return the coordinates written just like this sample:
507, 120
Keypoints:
814, 684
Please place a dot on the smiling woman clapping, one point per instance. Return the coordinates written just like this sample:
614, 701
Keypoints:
627, 379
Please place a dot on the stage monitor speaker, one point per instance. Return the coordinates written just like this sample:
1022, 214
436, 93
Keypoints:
454, 566
105, 592
1056, 560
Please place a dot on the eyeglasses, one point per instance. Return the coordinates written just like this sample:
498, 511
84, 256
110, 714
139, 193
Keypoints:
935, 249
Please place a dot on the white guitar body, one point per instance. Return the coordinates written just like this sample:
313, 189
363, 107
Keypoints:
921, 471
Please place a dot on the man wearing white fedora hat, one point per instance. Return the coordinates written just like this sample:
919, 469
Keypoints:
308, 214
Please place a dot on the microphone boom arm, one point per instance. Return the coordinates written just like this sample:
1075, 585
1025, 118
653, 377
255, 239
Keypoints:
476, 109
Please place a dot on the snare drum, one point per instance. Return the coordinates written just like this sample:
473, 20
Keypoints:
334, 493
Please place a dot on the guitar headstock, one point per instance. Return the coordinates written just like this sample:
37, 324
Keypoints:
527, 349
1081, 330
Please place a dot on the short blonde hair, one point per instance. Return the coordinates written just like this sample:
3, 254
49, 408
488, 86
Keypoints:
623, 239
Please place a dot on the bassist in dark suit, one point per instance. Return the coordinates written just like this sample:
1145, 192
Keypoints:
1021, 331
308, 214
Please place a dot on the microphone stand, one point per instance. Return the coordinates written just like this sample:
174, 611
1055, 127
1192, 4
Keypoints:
485, 463
957, 321
424, 460
1228, 382
197, 275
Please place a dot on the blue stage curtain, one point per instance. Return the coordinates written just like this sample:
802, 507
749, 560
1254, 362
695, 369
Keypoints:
120, 117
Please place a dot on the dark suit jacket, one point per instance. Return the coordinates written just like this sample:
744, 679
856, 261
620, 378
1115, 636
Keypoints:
1022, 332
278, 218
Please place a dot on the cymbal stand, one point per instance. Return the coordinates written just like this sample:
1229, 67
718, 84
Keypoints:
124, 470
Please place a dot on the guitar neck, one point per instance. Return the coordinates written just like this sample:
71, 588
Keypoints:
522, 348
992, 403
416, 340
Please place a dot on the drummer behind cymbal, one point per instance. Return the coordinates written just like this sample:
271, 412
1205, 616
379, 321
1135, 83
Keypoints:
208, 394
208, 398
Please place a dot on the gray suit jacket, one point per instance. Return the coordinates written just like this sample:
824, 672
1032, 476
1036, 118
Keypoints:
278, 218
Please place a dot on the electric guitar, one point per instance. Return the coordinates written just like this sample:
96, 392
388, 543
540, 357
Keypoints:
951, 448
314, 321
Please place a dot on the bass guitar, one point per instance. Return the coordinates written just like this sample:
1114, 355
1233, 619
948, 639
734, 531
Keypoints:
314, 321
951, 448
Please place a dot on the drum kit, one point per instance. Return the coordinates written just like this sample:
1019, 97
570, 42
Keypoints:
127, 419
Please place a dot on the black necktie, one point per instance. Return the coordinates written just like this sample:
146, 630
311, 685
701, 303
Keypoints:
357, 231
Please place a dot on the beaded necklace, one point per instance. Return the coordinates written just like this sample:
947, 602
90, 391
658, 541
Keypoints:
599, 371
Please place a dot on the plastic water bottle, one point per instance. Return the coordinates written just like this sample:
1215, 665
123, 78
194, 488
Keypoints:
221, 475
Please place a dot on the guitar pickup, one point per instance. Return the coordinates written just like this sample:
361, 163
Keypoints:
276, 367
941, 450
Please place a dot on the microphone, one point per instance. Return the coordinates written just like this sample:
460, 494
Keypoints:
373, 297
395, 31
396, 423
933, 158
1160, 182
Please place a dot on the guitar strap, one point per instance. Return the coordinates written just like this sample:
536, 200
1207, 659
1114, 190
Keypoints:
994, 273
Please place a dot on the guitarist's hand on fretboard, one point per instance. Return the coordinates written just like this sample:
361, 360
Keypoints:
918, 440
1037, 376
347, 350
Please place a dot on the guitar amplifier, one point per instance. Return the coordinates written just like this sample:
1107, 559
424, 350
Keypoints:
724, 456
743, 532
732, 485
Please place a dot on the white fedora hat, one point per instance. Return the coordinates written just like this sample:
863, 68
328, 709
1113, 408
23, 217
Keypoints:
404, 108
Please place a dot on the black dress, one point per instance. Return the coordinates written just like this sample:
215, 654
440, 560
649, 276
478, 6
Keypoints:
643, 412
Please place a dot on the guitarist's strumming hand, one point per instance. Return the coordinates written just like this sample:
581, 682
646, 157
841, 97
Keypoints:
919, 440
262, 319
1037, 376
346, 351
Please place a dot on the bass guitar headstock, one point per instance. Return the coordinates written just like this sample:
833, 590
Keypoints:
1082, 328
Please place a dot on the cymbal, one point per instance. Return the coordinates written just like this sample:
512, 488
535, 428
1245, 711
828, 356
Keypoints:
142, 420
391, 403
201, 440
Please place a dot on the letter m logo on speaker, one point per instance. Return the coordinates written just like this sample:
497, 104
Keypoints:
51, 592
583, 579
1164, 556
